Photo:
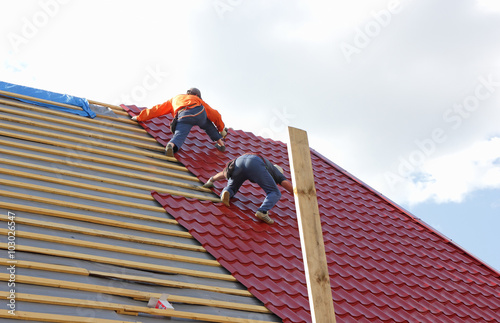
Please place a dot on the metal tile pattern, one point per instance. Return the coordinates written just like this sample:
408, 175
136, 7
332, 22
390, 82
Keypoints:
384, 264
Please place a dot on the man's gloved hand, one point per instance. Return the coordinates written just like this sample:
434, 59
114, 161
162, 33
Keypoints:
209, 183
223, 133
134, 118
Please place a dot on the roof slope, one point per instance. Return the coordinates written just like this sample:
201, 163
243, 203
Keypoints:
384, 264
91, 243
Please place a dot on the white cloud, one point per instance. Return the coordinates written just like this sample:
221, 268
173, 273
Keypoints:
489, 5
450, 177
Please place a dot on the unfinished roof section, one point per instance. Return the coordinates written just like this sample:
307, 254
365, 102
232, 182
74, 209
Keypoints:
384, 264
90, 240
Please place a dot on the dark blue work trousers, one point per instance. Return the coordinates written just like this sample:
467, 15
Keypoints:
196, 116
252, 168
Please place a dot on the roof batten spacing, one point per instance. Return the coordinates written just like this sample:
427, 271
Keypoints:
79, 190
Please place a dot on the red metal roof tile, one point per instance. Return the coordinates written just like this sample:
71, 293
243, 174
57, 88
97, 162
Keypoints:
384, 264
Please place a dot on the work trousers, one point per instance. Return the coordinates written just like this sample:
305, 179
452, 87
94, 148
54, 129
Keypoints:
196, 116
253, 168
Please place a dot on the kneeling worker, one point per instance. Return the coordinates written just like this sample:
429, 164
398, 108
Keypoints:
189, 110
256, 169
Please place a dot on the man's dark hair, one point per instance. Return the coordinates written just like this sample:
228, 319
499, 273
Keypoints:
194, 91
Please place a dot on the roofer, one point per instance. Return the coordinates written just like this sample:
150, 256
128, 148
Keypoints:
188, 110
256, 169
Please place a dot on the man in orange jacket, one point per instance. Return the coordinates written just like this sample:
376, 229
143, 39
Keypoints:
190, 110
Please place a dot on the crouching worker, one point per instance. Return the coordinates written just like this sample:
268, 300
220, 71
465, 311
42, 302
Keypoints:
188, 110
256, 169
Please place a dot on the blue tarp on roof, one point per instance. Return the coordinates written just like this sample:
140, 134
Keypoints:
51, 96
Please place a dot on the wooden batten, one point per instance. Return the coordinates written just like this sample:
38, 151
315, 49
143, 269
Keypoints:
311, 235
80, 189
97, 121
69, 156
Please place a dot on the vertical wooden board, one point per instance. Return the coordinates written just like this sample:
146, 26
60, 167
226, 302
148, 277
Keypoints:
311, 236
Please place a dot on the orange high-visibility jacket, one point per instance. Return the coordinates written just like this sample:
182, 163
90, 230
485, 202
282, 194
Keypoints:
178, 102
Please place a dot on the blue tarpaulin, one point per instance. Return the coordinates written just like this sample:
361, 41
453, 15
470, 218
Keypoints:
51, 96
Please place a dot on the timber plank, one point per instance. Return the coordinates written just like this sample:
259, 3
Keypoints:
78, 157
93, 168
110, 247
80, 125
39, 136
66, 115
102, 179
103, 136
85, 207
125, 277
95, 143
107, 234
123, 263
135, 294
126, 309
55, 318
99, 198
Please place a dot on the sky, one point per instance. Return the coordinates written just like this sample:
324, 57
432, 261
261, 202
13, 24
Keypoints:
402, 94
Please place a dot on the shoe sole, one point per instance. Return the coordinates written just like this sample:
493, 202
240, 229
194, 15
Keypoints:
169, 151
225, 198
220, 148
266, 218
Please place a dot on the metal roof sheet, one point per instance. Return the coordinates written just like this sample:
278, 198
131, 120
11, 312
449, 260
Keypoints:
384, 264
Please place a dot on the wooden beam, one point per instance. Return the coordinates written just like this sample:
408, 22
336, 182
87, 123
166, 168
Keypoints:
133, 126
47, 267
124, 309
97, 188
96, 198
135, 294
39, 137
113, 107
112, 247
81, 125
60, 181
63, 105
65, 192
100, 135
54, 318
132, 278
311, 235
114, 235
163, 170
30, 98
99, 179
121, 262
169, 283
77, 206
154, 153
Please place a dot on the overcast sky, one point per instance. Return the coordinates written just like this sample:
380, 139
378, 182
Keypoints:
402, 94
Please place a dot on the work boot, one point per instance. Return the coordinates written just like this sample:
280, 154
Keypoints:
169, 150
264, 216
221, 148
225, 198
